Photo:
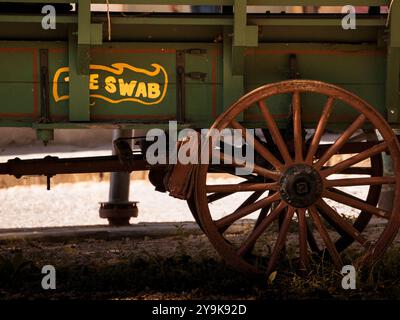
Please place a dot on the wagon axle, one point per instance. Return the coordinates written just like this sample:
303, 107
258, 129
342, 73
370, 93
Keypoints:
50, 166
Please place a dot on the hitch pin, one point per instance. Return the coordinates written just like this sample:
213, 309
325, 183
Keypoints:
48, 178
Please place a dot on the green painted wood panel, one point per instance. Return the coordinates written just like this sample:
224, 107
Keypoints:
19, 83
129, 82
357, 68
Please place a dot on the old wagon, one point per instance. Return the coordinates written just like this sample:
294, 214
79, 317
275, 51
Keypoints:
324, 100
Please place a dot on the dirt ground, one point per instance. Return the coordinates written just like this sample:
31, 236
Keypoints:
177, 267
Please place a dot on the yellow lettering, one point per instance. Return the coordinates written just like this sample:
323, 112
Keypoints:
110, 84
94, 81
126, 88
153, 90
141, 90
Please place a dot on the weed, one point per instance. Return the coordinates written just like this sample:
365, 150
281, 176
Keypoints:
12, 268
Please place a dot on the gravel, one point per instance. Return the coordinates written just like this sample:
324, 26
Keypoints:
74, 204
78, 204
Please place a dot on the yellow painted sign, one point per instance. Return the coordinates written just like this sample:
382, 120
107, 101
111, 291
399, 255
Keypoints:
120, 83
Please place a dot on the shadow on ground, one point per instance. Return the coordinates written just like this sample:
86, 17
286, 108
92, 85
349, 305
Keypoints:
174, 267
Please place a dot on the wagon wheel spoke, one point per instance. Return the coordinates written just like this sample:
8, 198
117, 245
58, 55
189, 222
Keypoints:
276, 134
379, 148
250, 167
231, 170
244, 187
228, 220
337, 260
363, 136
249, 178
360, 181
280, 242
353, 170
311, 240
338, 191
257, 232
220, 195
217, 196
340, 224
281, 220
297, 128
333, 224
374, 191
351, 201
263, 213
341, 141
301, 216
256, 145
319, 131
251, 199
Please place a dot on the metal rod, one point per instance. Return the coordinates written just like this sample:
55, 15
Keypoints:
54, 165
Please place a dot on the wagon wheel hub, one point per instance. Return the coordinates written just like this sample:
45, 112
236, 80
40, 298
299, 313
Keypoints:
300, 186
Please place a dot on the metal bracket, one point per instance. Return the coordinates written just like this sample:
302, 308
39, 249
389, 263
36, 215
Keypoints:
294, 72
124, 151
44, 86
180, 86
196, 75
44, 135
195, 51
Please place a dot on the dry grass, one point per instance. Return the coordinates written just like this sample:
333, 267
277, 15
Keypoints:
180, 267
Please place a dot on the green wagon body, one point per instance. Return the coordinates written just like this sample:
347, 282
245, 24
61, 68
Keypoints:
187, 67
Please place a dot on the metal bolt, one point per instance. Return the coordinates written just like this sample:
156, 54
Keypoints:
302, 188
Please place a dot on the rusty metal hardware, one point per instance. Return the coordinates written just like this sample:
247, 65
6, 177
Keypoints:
196, 51
50, 166
180, 86
44, 86
195, 75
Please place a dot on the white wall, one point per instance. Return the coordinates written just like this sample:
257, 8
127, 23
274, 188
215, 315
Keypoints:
272, 9
139, 8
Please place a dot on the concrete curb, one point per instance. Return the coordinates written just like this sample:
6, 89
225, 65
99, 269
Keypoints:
136, 231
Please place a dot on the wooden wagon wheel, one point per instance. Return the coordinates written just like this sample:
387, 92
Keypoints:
375, 169
344, 241
361, 221
300, 186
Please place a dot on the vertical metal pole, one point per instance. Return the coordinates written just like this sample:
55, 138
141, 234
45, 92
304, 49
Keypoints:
119, 181
118, 210
310, 9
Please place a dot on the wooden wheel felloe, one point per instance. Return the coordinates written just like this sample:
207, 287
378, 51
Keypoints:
296, 195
